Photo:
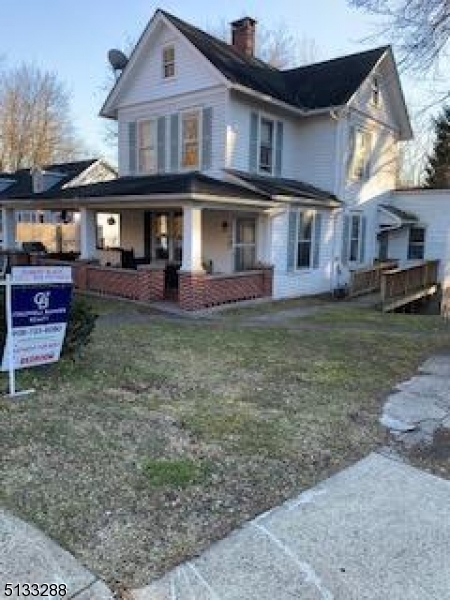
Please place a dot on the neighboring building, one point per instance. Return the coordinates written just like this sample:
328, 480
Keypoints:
36, 225
227, 163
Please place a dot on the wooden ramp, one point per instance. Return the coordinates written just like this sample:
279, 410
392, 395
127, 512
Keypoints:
397, 286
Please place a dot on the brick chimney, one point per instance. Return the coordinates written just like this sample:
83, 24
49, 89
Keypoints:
243, 35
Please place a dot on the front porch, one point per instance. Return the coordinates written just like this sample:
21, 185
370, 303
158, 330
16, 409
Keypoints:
193, 255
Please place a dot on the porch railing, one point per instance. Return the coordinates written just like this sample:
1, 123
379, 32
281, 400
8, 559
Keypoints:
404, 285
366, 281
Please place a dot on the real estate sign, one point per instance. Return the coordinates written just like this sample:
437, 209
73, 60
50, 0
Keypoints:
39, 308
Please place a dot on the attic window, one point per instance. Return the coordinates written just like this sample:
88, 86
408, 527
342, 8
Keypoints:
375, 92
168, 57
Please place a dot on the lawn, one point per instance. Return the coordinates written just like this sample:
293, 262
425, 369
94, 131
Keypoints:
169, 433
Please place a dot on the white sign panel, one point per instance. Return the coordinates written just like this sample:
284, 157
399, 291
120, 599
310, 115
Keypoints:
28, 275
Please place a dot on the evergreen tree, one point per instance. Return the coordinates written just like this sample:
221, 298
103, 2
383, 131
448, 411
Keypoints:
438, 167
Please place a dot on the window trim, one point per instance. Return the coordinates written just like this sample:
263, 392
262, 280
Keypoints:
266, 117
199, 111
365, 175
416, 244
153, 120
165, 77
310, 267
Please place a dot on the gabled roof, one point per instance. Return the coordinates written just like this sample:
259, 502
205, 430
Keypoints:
23, 182
279, 188
320, 85
314, 87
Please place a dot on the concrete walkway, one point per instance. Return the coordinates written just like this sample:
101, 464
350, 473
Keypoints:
421, 405
28, 556
379, 529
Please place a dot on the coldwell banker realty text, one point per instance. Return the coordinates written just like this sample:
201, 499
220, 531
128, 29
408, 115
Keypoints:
40, 301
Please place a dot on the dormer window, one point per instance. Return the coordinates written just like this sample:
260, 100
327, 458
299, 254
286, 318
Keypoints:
375, 92
168, 59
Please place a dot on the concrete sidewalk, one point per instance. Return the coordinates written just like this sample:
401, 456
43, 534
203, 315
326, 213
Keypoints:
28, 556
378, 530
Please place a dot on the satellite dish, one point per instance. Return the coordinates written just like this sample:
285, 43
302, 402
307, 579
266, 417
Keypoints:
117, 59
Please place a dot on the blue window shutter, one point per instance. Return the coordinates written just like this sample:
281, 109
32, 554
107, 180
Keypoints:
317, 240
279, 149
207, 138
362, 248
161, 134
292, 239
174, 153
132, 148
345, 239
253, 150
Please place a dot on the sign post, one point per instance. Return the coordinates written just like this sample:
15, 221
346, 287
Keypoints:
37, 302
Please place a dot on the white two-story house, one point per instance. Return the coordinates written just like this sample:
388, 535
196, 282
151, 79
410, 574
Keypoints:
237, 179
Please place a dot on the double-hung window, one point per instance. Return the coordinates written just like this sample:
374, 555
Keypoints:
355, 238
190, 140
362, 144
168, 62
305, 241
266, 146
416, 243
147, 145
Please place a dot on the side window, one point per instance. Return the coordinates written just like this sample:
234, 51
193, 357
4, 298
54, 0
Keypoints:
362, 145
168, 62
375, 92
305, 233
146, 150
416, 243
355, 238
266, 146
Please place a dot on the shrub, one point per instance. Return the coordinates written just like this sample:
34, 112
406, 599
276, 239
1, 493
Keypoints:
80, 326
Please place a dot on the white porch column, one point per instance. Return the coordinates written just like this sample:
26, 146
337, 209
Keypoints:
192, 240
8, 228
88, 233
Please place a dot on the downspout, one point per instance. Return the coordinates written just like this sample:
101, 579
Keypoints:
335, 264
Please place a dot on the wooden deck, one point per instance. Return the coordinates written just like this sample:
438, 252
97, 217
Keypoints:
397, 286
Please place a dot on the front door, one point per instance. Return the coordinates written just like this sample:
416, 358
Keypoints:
244, 243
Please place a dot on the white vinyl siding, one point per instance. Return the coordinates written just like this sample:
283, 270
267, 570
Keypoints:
298, 282
213, 104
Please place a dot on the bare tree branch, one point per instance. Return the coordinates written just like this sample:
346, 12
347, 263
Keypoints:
36, 127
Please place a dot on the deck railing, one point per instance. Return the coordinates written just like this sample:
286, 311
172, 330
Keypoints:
402, 285
365, 281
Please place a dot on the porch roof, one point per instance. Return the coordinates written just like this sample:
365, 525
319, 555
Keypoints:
401, 217
169, 187
282, 189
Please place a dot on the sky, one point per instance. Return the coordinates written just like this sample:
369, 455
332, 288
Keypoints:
72, 38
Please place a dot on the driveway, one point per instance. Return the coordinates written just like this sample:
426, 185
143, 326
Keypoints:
379, 529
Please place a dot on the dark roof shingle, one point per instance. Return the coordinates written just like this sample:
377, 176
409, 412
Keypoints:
320, 85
